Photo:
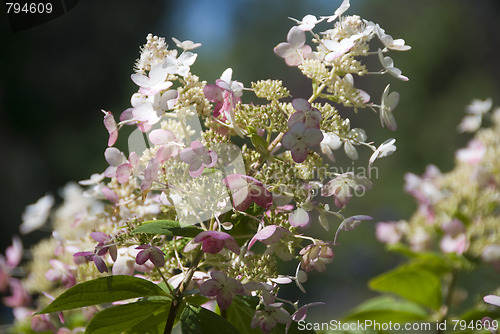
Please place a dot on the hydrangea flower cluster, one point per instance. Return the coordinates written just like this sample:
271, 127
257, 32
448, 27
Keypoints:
456, 226
204, 217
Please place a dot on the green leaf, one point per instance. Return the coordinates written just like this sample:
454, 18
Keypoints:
259, 143
198, 320
411, 282
386, 308
103, 290
240, 314
168, 227
124, 318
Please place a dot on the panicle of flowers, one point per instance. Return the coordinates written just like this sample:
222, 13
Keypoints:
458, 210
187, 205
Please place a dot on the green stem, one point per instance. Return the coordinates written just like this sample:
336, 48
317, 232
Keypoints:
449, 297
176, 302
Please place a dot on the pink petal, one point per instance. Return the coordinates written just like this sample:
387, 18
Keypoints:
99, 263
312, 137
212, 245
110, 195
301, 104
299, 218
224, 298
210, 288
296, 37
213, 93
157, 256
289, 140
160, 136
123, 172
188, 156
299, 153
14, 253
232, 245
114, 157
492, 299
110, 124
142, 257
99, 236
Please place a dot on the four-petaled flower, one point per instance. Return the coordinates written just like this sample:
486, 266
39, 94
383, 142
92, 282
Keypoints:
223, 287
308, 22
180, 65
213, 241
198, 158
105, 244
295, 50
388, 104
342, 187
186, 45
151, 253
305, 114
300, 139
388, 64
246, 190
272, 314
316, 256
389, 42
154, 82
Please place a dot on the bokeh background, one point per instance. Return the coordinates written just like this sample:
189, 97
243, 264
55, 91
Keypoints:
56, 77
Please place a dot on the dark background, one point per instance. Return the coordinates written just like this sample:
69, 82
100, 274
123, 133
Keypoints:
56, 77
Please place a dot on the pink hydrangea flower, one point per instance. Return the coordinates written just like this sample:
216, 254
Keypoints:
295, 49
19, 297
110, 124
91, 256
213, 242
316, 256
343, 187
105, 244
305, 114
492, 299
272, 314
269, 235
300, 139
198, 158
473, 153
60, 272
222, 287
388, 232
247, 190
151, 253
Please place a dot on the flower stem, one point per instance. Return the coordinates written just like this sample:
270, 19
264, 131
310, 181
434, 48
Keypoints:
176, 302
449, 297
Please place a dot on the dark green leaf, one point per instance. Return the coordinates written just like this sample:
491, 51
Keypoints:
198, 320
103, 290
168, 227
411, 282
240, 314
126, 318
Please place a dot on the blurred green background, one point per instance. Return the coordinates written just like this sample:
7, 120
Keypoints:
55, 78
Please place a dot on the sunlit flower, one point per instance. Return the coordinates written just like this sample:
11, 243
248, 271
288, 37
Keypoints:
344, 186
299, 140
295, 49
154, 82
186, 45
330, 142
213, 242
387, 106
35, 215
344, 6
305, 114
198, 158
389, 42
475, 112
222, 287
388, 65
307, 23
315, 257
180, 65
110, 124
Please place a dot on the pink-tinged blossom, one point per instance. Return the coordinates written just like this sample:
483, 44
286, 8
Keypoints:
301, 313
307, 23
389, 42
272, 314
151, 253
350, 224
91, 256
150, 109
110, 124
41, 323
299, 218
388, 232
425, 190
330, 143
246, 190
473, 153
269, 235
154, 82
19, 297
338, 49
299, 140
344, 6
316, 256
110, 195
125, 170
492, 299
14, 253
60, 272
475, 112
305, 113
388, 65
222, 287
186, 45
198, 158
387, 106
295, 49
35, 215
150, 174
454, 244
125, 262
213, 242
115, 158
180, 65
105, 244
344, 186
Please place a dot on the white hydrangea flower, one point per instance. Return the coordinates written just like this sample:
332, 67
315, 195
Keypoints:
387, 105
186, 45
35, 215
388, 65
180, 65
